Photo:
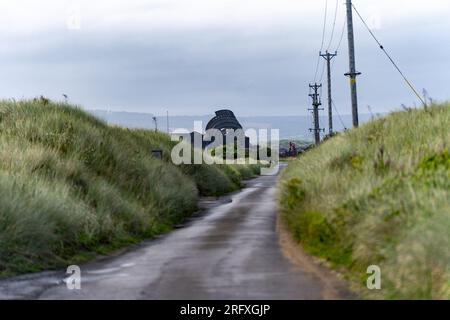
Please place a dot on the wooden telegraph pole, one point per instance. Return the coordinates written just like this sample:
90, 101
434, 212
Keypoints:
328, 57
316, 104
352, 62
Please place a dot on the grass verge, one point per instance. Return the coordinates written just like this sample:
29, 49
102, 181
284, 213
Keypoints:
379, 195
72, 186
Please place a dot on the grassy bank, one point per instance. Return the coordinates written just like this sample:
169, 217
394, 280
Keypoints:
72, 186
379, 195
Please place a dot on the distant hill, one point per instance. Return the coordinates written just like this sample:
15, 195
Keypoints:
291, 127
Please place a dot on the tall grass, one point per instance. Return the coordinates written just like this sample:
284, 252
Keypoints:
72, 186
379, 195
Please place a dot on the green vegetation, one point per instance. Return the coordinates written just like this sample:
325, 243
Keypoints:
379, 195
72, 186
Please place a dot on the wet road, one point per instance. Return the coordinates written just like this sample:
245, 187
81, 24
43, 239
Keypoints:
230, 252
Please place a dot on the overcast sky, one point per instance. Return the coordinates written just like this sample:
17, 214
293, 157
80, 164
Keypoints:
192, 56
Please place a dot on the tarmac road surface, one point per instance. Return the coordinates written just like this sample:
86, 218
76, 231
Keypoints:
232, 251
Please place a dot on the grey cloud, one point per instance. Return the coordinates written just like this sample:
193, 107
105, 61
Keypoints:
193, 71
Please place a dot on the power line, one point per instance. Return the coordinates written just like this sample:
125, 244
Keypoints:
339, 115
323, 72
324, 24
323, 38
334, 25
339, 43
317, 69
389, 57
342, 35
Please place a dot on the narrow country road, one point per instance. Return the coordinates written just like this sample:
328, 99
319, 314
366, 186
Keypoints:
232, 251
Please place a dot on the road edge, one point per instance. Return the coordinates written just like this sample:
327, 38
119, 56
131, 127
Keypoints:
334, 285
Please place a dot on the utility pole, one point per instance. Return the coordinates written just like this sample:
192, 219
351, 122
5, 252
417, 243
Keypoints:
352, 73
328, 57
316, 104
155, 120
168, 130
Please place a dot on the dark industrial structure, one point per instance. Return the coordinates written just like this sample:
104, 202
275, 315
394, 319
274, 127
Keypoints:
225, 121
